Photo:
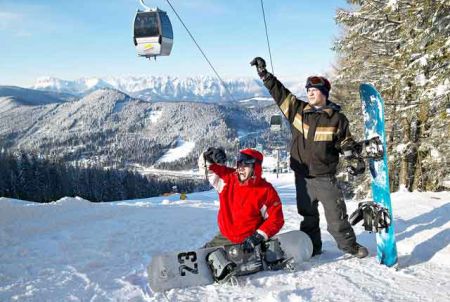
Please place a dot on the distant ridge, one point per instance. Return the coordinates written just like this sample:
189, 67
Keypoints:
32, 97
165, 88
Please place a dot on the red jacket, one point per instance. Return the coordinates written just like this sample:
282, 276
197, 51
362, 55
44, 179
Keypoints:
245, 207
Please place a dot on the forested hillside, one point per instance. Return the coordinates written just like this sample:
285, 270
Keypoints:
33, 178
111, 129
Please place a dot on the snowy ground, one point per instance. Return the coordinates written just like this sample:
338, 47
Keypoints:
74, 250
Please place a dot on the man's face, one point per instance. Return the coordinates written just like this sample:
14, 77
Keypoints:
315, 97
245, 171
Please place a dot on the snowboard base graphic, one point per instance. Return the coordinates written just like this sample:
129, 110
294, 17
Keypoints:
373, 109
190, 268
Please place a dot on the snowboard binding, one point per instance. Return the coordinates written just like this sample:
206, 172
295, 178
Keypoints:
222, 269
228, 262
371, 148
358, 152
375, 217
275, 258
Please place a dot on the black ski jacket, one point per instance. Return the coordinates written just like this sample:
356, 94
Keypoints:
317, 135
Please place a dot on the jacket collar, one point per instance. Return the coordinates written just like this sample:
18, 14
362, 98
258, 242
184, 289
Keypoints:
329, 108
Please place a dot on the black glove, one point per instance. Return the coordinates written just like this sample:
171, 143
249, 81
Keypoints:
260, 67
351, 149
215, 155
251, 242
356, 166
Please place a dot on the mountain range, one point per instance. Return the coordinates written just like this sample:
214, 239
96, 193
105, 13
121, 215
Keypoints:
166, 88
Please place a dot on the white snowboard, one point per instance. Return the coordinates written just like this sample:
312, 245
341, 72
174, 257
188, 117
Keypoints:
189, 268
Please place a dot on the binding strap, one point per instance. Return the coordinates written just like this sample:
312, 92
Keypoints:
375, 217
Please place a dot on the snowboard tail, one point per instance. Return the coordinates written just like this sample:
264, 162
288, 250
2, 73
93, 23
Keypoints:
190, 268
373, 109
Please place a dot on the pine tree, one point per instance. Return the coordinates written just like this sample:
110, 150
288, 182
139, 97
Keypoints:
403, 47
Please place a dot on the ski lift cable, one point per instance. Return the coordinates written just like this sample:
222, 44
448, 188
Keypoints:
267, 35
203, 53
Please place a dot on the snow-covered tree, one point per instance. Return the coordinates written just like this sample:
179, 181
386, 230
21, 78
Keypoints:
403, 48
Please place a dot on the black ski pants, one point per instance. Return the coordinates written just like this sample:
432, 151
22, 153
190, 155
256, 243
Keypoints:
324, 189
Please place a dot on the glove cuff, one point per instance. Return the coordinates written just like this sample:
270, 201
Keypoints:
257, 238
266, 76
263, 234
262, 73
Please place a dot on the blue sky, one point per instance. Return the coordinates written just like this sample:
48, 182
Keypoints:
84, 38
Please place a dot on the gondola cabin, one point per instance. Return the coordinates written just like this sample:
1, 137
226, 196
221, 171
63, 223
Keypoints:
153, 34
275, 122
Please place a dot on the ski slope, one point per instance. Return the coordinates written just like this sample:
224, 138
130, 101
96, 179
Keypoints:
74, 250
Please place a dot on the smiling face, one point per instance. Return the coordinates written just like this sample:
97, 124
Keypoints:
316, 97
245, 171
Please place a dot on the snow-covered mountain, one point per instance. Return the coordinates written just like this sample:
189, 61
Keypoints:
75, 250
79, 120
166, 88
78, 87
31, 97
108, 126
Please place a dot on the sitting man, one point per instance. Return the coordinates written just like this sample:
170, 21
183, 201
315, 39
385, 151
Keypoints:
250, 209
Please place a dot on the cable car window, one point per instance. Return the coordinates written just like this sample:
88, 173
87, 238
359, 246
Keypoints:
275, 123
166, 26
146, 25
275, 120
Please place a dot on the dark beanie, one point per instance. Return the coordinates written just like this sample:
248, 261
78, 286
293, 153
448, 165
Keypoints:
323, 85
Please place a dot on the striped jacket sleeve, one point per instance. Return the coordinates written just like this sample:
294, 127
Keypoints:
288, 103
343, 135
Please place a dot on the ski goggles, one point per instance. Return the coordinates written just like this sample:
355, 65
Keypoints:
246, 160
315, 81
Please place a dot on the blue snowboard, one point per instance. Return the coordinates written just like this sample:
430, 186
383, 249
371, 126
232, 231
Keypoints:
373, 109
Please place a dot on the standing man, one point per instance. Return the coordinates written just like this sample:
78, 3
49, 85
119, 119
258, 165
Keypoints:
250, 209
319, 133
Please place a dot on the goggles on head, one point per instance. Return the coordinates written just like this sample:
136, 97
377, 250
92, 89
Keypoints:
241, 164
244, 159
315, 81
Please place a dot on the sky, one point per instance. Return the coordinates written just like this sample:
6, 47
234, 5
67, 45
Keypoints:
84, 38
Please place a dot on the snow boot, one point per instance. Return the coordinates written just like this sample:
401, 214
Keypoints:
317, 252
357, 250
